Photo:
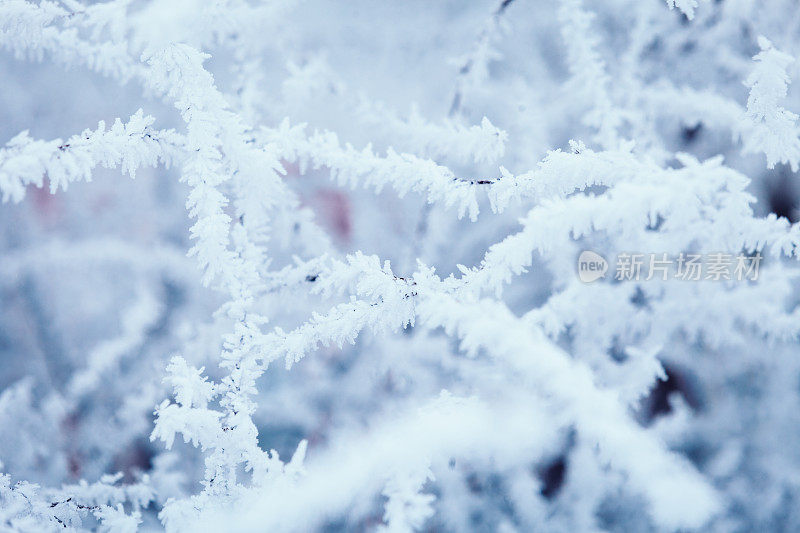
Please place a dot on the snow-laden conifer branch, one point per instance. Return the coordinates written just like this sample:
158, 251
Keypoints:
130, 145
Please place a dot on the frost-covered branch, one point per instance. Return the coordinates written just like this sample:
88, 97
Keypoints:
436, 374
768, 127
589, 78
130, 145
491, 327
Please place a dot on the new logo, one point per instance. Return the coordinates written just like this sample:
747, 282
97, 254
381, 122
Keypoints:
591, 266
